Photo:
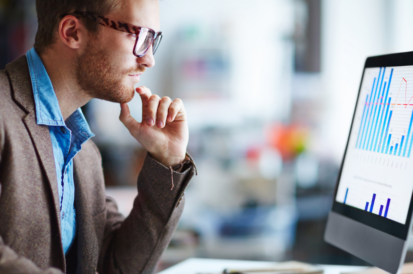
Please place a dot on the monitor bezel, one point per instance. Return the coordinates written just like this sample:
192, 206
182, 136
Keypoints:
386, 225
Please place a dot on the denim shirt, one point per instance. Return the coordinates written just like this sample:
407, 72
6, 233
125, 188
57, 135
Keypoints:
67, 139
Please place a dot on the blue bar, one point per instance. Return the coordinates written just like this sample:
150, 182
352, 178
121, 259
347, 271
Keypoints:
363, 136
376, 117
395, 149
345, 198
362, 121
372, 99
401, 145
384, 127
367, 206
381, 125
391, 149
381, 210
408, 134
372, 202
387, 130
387, 208
373, 117
388, 143
380, 114
410, 147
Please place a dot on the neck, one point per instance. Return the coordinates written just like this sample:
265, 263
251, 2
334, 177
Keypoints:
62, 73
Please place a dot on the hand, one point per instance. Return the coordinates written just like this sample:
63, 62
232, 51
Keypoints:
164, 128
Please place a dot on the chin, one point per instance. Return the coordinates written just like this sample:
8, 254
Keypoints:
128, 99
120, 94
127, 94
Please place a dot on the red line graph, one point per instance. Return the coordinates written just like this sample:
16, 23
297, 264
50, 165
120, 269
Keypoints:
406, 103
395, 103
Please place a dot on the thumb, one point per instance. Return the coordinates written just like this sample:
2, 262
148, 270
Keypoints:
130, 123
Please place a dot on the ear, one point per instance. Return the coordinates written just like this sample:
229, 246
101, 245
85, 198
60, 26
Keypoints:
72, 32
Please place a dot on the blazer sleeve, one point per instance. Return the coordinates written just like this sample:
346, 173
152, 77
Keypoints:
135, 244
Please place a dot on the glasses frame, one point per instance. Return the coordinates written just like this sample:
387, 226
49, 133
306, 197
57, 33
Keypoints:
124, 27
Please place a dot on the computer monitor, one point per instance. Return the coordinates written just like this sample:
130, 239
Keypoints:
372, 207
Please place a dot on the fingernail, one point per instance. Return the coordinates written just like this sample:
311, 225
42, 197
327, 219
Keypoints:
160, 124
149, 121
169, 118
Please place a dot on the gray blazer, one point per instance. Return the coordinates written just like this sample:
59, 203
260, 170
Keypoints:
106, 242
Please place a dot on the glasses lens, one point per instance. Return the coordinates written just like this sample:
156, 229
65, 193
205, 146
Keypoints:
144, 42
156, 43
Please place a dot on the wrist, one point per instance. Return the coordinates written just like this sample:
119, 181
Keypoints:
169, 160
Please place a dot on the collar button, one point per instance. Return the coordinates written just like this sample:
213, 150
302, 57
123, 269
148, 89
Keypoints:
63, 130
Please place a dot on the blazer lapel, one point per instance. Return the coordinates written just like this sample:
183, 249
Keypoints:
22, 93
41, 139
87, 241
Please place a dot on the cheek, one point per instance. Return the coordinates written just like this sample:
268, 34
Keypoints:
120, 53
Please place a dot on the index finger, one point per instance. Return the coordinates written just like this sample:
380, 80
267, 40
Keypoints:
145, 94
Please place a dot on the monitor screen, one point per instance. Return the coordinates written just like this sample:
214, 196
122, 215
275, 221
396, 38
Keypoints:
377, 172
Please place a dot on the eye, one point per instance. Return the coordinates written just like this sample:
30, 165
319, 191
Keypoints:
131, 36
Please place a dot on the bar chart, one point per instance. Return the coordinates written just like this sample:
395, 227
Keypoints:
370, 205
377, 173
378, 132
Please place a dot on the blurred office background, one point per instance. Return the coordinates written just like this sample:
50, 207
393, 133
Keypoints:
270, 87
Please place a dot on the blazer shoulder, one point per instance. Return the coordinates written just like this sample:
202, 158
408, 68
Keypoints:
6, 100
9, 107
5, 86
4, 89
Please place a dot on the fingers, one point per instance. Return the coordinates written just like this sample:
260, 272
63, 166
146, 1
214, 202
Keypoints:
130, 123
176, 106
164, 104
145, 94
152, 109
158, 111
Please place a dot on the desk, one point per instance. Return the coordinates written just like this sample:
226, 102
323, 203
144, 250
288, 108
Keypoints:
194, 266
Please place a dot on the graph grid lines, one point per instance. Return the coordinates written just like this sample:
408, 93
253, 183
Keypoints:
378, 131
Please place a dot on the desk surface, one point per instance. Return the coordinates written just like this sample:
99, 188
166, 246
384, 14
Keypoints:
198, 266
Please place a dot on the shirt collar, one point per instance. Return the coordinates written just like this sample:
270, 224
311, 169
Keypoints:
45, 100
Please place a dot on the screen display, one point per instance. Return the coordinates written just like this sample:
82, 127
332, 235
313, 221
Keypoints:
377, 174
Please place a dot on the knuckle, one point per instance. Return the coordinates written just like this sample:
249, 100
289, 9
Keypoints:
162, 111
151, 113
166, 99
122, 117
161, 114
154, 98
173, 109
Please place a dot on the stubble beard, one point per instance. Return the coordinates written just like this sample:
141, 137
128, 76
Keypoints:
99, 78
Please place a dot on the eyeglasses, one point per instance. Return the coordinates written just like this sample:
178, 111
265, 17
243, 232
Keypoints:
145, 37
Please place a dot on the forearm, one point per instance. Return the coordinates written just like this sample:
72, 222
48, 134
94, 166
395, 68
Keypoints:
137, 243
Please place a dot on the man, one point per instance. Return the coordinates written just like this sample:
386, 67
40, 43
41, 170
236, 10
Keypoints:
54, 216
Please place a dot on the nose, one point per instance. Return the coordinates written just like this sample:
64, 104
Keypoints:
148, 60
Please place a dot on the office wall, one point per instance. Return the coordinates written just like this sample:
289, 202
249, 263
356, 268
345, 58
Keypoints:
352, 31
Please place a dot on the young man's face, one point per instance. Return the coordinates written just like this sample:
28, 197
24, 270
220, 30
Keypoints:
107, 69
